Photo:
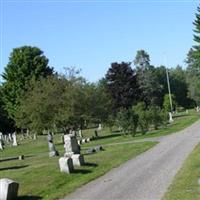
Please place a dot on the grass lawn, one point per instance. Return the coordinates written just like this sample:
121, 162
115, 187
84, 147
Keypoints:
39, 175
185, 185
181, 121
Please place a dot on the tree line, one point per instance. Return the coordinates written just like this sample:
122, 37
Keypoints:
132, 94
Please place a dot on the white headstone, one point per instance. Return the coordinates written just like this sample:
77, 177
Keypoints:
8, 189
80, 133
66, 164
10, 137
1, 145
14, 139
35, 136
170, 117
99, 127
78, 160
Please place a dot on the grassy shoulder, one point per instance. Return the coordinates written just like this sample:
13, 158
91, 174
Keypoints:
39, 175
185, 185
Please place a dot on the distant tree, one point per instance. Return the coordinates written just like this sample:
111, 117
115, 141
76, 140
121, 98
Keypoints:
166, 103
148, 86
122, 85
6, 124
25, 65
193, 61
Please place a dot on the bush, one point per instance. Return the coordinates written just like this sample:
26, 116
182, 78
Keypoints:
143, 117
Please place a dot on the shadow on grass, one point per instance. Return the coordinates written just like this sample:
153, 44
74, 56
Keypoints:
29, 198
15, 158
91, 164
13, 168
81, 171
108, 136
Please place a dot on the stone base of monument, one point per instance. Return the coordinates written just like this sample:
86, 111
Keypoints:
8, 189
66, 164
78, 160
53, 153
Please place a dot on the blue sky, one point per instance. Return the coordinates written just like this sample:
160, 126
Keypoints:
92, 34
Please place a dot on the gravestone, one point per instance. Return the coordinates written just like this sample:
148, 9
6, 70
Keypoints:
10, 137
99, 127
66, 164
87, 139
52, 150
170, 117
8, 189
80, 133
78, 160
1, 145
35, 136
14, 139
71, 145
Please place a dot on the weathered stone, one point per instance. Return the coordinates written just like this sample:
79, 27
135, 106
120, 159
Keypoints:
1, 145
99, 148
71, 145
80, 133
52, 150
83, 141
170, 117
90, 151
35, 136
99, 127
78, 160
87, 139
14, 139
8, 189
66, 164
21, 157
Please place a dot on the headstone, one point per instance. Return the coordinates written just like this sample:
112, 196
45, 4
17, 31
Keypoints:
8, 189
21, 157
52, 150
1, 145
66, 164
78, 160
14, 139
90, 150
87, 139
10, 137
187, 111
35, 136
96, 134
71, 145
62, 139
83, 141
99, 127
99, 148
170, 117
80, 133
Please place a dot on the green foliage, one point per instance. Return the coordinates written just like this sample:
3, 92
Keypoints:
122, 86
127, 120
149, 87
25, 64
143, 117
166, 103
193, 61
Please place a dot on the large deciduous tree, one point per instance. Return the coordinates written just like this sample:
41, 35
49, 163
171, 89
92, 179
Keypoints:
25, 65
122, 85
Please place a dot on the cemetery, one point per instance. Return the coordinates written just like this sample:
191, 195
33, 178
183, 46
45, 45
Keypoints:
61, 168
99, 118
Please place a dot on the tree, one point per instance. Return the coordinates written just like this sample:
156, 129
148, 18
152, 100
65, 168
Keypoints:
25, 64
122, 85
148, 85
193, 61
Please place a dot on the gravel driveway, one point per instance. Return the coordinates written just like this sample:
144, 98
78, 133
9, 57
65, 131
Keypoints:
147, 176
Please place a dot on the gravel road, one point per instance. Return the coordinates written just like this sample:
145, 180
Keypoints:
147, 176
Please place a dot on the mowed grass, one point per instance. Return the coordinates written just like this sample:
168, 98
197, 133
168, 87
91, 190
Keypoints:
185, 185
181, 121
39, 175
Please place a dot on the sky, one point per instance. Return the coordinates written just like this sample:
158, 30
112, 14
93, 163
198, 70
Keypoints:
90, 35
